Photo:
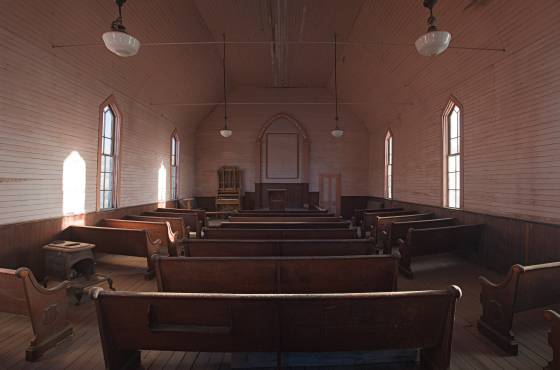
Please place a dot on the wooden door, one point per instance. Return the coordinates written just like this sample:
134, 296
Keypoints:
329, 192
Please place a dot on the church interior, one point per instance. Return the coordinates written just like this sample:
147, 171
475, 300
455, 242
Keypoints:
300, 184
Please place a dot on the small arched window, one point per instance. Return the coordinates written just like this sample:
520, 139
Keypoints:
108, 155
452, 146
174, 165
389, 165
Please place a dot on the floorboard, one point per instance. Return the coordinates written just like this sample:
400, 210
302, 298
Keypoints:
470, 349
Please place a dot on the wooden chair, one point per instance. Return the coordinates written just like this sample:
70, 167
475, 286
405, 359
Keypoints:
157, 230
219, 322
285, 225
21, 294
189, 219
267, 275
263, 248
127, 242
421, 242
399, 230
553, 339
177, 224
219, 233
524, 288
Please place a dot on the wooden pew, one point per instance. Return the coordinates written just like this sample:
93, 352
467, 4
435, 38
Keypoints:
219, 322
285, 225
553, 339
127, 242
399, 230
224, 233
382, 222
290, 275
191, 203
359, 213
177, 224
21, 294
285, 219
189, 219
295, 211
200, 213
157, 230
524, 288
421, 242
263, 248
370, 219
282, 214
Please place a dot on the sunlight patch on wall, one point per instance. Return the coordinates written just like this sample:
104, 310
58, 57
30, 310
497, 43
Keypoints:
162, 185
74, 185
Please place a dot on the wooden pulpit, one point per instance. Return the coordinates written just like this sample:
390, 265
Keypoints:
277, 199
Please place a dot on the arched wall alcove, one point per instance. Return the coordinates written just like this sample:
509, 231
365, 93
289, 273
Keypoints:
282, 153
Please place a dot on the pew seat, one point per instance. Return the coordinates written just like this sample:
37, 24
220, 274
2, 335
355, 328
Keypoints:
268, 275
21, 294
270, 247
236, 233
524, 288
177, 224
553, 339
223, 322
157, 230
127, 242
422, 242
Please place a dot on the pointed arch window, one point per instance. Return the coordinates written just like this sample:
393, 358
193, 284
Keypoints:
108, 155
452, 144
389, 165
174, 165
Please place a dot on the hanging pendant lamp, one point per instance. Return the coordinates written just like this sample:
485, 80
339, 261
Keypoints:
337, 132
225, 132
433, 42
117, 40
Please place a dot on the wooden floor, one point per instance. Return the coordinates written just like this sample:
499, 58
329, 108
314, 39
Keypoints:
470, 349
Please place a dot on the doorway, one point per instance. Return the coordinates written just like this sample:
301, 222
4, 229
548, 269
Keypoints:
329, 192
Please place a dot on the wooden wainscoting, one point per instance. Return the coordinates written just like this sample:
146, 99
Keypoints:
21, 243
506, 241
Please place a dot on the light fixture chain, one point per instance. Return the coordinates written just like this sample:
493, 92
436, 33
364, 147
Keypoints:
335, 82
225, 86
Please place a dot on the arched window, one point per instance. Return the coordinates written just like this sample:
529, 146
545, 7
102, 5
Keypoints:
389, 165
108, 155
452, 146
174, 165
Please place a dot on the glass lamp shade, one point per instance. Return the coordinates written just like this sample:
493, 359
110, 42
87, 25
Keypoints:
226, 132
433, 43
337, 133
121, 43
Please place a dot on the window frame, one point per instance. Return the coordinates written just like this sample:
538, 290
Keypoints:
177, 155
117, 123
451, 105
388, 188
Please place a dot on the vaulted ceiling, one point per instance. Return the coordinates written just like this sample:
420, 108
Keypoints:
277, 43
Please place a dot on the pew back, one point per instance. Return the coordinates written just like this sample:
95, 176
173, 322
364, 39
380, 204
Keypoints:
554, 338
157, 230
285, 219
359, 213
282, 214
399, 230
285, 225
537, 286
176, 223
214, 322
381, 222
189, 219
261, 275
200, 213
262, 248
224, 233
443, 239
370, 218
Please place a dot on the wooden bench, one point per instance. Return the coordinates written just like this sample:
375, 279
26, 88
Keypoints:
282, 214
189, 219
157, 230
524, 288
262, 248
225, 233
127, 242
421, 242
285, 225
177, 224
399, 230
359, 213
290, 275
191, 203
21, 294
200, 213
285, 219
293, 211
553, 339
382, 222
370, 219
219, 322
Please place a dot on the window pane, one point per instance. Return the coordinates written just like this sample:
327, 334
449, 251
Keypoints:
451, 164
109, 164
451, 181
453, 146
453, 126
108, 181
458, 180
102, 181
457, 199
107, 146
452, 199
108, 126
